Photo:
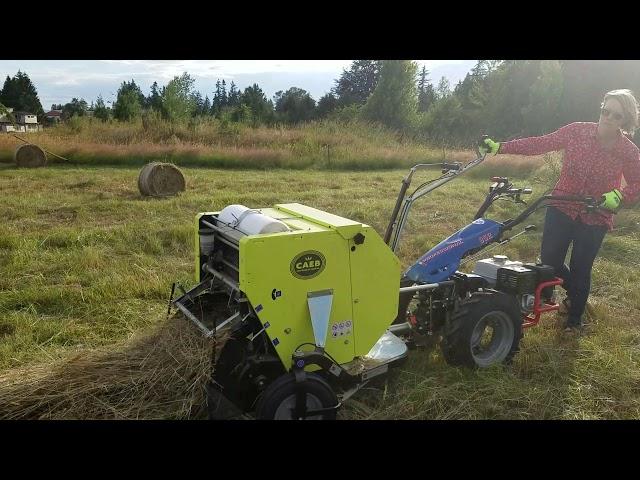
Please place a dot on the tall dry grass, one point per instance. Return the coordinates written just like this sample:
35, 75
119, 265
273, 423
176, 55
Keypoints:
214, 143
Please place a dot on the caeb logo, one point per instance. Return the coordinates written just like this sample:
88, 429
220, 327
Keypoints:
307, 265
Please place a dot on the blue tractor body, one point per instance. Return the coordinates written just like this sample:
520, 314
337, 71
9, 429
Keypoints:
443, 260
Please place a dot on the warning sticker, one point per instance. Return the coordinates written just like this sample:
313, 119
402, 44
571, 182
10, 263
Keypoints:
340, 329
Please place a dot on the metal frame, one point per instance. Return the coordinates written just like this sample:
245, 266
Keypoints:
533, 318
202, 287
403, 204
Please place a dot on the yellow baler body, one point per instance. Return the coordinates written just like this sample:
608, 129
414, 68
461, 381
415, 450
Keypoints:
277, 271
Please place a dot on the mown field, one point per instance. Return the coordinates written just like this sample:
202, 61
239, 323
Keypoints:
86, 263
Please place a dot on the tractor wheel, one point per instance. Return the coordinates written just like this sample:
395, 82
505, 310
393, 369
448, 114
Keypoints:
279, 399
485, 330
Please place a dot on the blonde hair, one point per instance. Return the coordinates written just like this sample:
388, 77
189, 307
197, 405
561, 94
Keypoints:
629, 107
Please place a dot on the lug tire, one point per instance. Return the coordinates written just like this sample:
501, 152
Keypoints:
279, 398
467, 324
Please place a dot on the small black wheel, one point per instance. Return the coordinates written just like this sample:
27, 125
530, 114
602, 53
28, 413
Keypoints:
279, 399
485, 330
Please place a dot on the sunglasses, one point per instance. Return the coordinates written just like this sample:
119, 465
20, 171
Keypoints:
606, 113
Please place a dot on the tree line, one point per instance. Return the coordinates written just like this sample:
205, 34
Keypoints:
503, 98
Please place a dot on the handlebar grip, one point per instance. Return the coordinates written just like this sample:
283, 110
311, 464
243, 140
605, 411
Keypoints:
451, 166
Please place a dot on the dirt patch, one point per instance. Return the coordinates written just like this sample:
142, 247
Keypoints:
62, 214
6, 329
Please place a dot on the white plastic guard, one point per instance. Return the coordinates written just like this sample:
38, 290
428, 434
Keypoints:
320, 311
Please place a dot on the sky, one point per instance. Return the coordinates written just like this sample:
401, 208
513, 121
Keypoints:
58, 81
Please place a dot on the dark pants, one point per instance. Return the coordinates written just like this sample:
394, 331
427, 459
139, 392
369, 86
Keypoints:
559, 232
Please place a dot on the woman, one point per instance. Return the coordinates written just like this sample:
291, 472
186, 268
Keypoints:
596, 157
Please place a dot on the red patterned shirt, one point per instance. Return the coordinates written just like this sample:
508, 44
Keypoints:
587, 168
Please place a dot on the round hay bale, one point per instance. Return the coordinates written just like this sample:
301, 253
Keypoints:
158, 179
30, 156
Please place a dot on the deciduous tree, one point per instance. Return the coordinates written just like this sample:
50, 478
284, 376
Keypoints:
178, 99
295, 105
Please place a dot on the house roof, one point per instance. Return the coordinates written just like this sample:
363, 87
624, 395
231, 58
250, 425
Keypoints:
53, 113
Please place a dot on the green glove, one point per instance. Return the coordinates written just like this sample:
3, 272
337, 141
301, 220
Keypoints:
487, 145
612, 200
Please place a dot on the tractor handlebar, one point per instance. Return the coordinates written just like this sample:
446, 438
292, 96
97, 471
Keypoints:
592, 206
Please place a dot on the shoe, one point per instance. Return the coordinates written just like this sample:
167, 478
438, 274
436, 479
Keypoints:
573, 326
564, 307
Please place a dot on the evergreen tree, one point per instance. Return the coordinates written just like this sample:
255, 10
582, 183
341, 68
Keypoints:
443, 90
233, 98
224, 100
255, 99
515, 98
20, 94
129, 102
206, 106
358, 83
100, 110
220, 99
394, 102
426, 92
198, 103
154, 100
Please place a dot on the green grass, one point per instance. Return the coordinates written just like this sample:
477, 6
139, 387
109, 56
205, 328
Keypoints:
87, 262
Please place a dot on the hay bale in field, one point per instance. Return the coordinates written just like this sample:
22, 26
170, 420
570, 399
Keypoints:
30, 156
158, 179
161, 375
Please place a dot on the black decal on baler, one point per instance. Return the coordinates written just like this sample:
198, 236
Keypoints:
307, 264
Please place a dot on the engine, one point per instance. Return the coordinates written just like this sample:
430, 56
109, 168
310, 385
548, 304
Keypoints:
516, 278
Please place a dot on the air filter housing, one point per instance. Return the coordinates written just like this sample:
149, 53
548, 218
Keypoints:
545, 273
516, 280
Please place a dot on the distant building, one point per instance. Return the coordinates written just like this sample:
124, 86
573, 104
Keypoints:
24, 122
54, 116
